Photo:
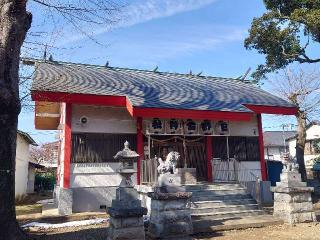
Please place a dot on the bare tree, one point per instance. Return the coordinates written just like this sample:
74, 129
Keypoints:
15, 22
301, 88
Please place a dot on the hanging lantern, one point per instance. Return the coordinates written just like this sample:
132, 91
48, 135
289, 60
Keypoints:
156, 126
173, 126
222, 128
206, 127
190, 126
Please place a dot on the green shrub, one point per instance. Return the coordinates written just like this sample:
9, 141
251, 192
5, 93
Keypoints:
45, 181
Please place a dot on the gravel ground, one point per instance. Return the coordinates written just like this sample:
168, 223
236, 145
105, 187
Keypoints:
305, 231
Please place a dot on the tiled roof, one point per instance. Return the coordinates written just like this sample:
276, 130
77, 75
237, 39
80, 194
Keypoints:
275, 138
153, 89
27, 137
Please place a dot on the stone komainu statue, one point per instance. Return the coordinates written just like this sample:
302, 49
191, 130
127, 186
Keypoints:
170, 164
289, 163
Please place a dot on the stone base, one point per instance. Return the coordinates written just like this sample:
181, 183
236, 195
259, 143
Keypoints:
64, 198
126, 215
170, 183
134, 233
188, 175
292, 199
170, 216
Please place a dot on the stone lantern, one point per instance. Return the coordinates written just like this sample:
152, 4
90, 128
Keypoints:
126, 157
126, 213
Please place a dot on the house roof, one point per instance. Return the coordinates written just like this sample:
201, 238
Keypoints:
275, 138
153, 89
27, 137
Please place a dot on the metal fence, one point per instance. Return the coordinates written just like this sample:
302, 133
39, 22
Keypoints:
232, 170
149, 173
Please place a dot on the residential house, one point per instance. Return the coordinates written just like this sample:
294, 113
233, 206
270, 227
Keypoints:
275, 144
311, 151
25, 168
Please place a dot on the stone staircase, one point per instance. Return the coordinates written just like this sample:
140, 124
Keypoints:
225, 206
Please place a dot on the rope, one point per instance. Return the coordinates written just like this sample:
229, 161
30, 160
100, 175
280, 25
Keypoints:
174, 138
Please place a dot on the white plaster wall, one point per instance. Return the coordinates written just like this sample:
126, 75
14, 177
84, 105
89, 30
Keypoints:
22, 166
247, 129
313, 132
96, 175
103, 119
275, 151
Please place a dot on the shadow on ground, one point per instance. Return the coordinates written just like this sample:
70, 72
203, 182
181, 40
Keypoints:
98, 233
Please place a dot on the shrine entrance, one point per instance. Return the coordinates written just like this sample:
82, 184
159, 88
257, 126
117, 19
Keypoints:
191, 149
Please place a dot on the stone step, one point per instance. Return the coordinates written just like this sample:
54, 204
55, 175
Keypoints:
226, 197
226, 214
224, 224
196, 187
222, 203
219, 192
209, 210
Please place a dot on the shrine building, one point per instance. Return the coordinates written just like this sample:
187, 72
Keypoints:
213, 122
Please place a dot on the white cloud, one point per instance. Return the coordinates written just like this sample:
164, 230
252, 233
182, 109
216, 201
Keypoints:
143, 11
173, 43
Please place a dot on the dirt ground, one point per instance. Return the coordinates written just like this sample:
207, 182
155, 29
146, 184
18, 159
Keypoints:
305, 231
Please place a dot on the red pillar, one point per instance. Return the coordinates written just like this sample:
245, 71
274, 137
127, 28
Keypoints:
67, 146
139, 147
209, 157
261, 149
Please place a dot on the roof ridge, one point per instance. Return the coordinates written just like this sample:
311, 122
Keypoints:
31, 61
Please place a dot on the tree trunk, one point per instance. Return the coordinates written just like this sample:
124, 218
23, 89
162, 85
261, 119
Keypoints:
15, 21
301, 142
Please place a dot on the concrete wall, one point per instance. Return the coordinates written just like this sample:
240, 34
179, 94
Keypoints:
94, 185
22, 166
92, 199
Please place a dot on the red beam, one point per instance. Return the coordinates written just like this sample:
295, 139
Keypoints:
261, 149
272, 109
77, 98
67, 146
209, 157
139, 148
194, 114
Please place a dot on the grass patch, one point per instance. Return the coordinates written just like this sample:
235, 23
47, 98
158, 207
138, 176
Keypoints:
28, 209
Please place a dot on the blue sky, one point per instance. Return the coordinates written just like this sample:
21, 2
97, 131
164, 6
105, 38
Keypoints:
177, 36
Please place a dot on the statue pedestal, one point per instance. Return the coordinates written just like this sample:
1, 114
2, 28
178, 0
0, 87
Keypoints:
292, 198
170, 215
170, 183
